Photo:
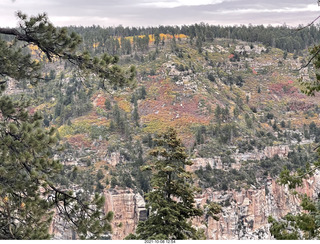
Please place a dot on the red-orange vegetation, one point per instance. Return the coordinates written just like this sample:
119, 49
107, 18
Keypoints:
79, 141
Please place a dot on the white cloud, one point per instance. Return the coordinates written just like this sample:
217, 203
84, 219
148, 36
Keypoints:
180, 3
78, 20
308, 8
152, 12
89, 21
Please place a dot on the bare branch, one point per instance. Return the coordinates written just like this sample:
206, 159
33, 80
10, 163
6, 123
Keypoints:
308, 24
309, 172
310, 60
10, 31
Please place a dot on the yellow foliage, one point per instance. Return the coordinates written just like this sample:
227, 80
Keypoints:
152, 38
156, 123
40, 107
35, 51
125, 106
82, 125
33, 47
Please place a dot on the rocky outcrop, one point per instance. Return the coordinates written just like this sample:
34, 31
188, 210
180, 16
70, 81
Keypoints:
269, 152
197, 163
245, 214
114, 159
282, 151
60, 229
216, 163
128, 208
247, 49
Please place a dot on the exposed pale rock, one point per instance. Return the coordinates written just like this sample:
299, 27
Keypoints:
244, 214
269, 152
60, 229
174, 72
282, 151
221, 49
114, 158
197, 163
128, 208
247, 215
216, 163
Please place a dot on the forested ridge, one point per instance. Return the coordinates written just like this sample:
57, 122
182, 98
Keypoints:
287, 38
98, 124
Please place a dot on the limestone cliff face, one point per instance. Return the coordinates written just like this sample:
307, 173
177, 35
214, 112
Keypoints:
61, 229
282, 151
244, 215
197, 163
128, 208
216, 163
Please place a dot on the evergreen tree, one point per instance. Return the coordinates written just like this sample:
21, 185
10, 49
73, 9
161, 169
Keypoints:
143, 93
156, 39
218, 113
100, 175
29, 191
171, 201
136, 116
54, 43
304, 225
108, 105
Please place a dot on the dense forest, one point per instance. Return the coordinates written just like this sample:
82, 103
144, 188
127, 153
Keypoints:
86, 119
283, 37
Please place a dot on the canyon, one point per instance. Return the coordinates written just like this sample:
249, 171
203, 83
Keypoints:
244, 214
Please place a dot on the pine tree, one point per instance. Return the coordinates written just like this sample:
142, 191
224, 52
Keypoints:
54, 43
171, 200
136, 116
304, 225
29, 191
157, 39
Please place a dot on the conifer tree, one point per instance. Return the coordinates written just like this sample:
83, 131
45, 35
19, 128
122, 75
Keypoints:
304, 225
171, 200
29, 192
54, 43
28, 189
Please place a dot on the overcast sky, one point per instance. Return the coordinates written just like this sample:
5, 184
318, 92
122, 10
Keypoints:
163, 12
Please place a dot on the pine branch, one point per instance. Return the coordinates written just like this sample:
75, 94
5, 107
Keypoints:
308, 24
310, 60
10, 31
307, 173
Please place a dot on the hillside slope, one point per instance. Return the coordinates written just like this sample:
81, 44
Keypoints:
237, 107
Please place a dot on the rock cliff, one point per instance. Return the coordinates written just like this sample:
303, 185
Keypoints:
244, 214
216, 162
128, 208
